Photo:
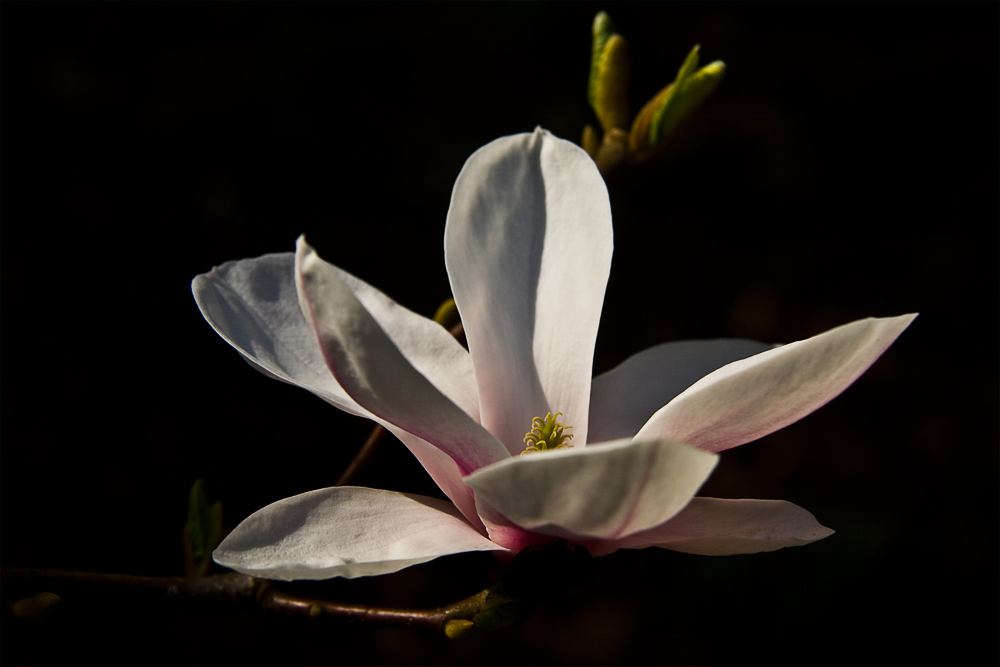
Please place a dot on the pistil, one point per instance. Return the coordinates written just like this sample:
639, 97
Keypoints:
547, 434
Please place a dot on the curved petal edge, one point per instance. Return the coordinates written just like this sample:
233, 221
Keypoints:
750, 398
528, 245
346, 532
252, 304
605, 492
623, 399
377, 375
721, 527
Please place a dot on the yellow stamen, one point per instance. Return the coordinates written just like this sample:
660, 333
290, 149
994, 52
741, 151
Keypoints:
547, 434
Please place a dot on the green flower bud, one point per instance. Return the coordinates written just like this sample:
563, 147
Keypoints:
607, 90
668, 107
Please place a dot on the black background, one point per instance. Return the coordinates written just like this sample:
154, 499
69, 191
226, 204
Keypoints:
846, 167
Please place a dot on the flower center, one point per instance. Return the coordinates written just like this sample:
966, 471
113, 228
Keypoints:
547, 434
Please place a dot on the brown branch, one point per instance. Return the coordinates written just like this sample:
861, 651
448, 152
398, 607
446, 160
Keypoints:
20, 583
229, 587
362, 457
436, 619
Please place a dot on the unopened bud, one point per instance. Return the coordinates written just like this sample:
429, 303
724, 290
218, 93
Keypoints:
607, 90
668, 107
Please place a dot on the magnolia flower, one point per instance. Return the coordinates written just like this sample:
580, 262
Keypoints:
610, 462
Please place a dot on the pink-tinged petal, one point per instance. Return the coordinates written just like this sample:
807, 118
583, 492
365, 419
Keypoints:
501, 531
252, 304
528, 249
748, 399
373, 371
606, 492
623, 399
718, 527
346, 531
444, 471
442, 360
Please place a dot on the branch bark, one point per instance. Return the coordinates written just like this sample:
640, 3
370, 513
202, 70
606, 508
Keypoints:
233, 588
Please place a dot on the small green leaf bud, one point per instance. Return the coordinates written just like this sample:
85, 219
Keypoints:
602, 31
607, 90
668, 107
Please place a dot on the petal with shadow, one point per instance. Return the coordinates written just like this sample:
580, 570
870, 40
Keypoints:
605, 492
374, 372
623, 399
748, 399
346, 531
528, 247
720, 527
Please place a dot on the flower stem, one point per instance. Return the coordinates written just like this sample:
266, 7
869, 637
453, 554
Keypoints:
362, 457
433, 619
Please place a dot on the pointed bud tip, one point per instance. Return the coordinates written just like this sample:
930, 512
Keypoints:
713, 68
608, 87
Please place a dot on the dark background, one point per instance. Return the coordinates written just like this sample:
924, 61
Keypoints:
846, 167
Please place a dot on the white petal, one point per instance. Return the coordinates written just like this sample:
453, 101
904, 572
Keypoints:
528, 248
423, 342
624, 398
607, 492
346, 531
442, 360
373, 371
748, 399
717, 527
252, 304
444, 471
